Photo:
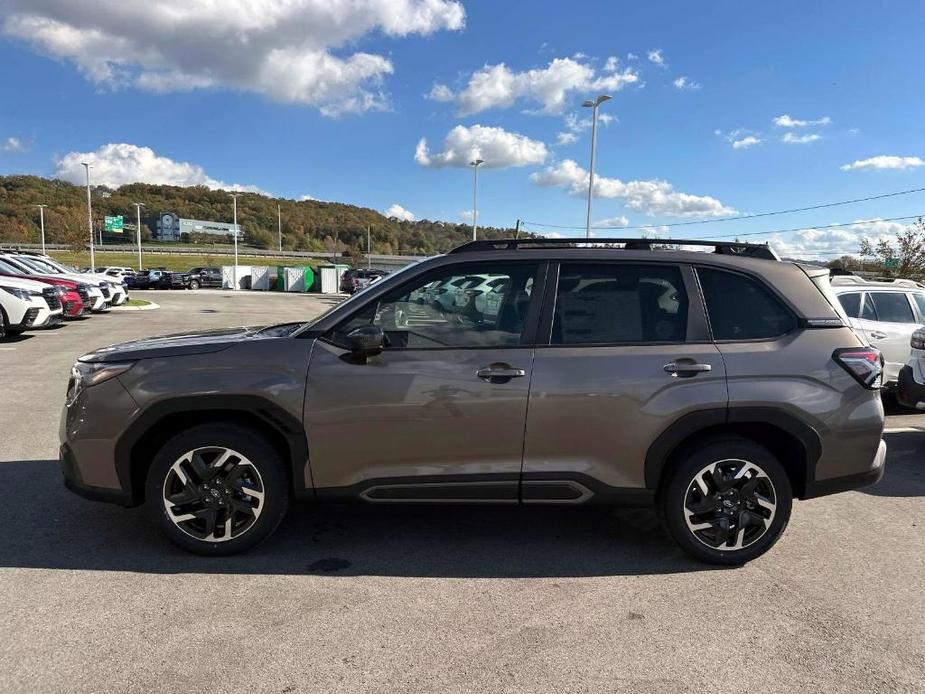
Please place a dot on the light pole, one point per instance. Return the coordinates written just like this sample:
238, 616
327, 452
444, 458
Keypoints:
234, 281
593, 105
42, 224
90, 218
369, 259
279, 221
475, 195
138, 206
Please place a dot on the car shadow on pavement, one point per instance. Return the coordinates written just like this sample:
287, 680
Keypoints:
46, 526
905, 466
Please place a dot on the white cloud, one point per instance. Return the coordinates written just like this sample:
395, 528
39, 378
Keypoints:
786, 121
686, 83
884, 161
551, 87
398, 212
498, 147
117, 164
306, 197
746, 142
792, 139
655, 56
14, 145
827, 243
632, 56
440, 92
612, 222
298, 51
466, 216
566, 138
652, 197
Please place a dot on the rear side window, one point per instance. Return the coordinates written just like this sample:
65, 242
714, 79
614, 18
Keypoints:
892, 307
619, 303
740, 308
851, 303
920, 301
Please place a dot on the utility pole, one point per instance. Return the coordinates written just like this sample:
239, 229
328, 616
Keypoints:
517, 229
42, 224
593, 105
234, 196
369, 250
90, 218
138, 206
475, 196
279, 221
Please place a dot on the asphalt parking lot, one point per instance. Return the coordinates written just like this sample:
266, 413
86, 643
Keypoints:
363, 599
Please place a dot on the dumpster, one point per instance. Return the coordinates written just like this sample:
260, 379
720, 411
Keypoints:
244, 276
330, 277
260, 277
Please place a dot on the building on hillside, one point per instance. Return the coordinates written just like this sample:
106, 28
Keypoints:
171, 227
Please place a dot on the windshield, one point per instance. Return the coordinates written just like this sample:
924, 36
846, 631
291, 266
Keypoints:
39, 266
10, 268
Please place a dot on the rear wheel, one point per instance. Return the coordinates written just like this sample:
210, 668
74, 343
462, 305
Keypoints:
194, 284
727, 501
217, 489
2, 325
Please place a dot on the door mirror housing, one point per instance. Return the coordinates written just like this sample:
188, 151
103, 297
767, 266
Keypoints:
366, 341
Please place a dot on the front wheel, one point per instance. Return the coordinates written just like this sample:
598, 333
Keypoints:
217, 489
2, 325
194, 284
726, 502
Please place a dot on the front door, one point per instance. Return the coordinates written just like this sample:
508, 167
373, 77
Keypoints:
628, 354
439, 415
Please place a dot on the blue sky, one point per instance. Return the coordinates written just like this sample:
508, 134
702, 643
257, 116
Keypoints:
333, 100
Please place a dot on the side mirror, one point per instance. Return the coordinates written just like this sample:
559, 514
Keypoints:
366, 341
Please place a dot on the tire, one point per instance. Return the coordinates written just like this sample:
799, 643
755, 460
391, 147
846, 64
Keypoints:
744, 511
2, 325
250, 489
194, 284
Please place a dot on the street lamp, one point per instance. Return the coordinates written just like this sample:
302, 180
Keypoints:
235, 196
42, 224
279, 221
138, 206
593, 105
475, 195
90, 218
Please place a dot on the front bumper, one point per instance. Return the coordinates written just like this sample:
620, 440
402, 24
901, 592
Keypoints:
834, 485
910, 393
73, 481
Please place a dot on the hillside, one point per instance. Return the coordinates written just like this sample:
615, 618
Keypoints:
309, 225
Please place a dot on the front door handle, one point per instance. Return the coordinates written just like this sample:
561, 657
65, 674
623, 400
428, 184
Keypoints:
877, 335
499, 372
680, 368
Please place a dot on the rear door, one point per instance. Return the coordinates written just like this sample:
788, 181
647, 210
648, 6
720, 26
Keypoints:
626, 353
889, 319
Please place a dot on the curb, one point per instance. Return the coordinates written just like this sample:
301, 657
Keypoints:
150, 307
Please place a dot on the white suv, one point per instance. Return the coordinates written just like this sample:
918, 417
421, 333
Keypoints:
113, 289
887, 312
100, 291
25, 304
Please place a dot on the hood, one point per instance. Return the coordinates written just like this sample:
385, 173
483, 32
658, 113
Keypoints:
22, 283
183, 344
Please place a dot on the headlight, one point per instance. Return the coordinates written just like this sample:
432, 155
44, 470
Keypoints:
60, 290
23, 294
918, 339
87, 374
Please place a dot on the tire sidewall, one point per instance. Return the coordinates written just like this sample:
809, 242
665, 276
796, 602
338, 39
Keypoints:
245, 441
671, 499
194, 284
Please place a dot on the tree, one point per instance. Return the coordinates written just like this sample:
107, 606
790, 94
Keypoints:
906, 256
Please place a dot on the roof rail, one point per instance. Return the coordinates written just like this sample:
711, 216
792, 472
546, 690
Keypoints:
751, 250
842, 280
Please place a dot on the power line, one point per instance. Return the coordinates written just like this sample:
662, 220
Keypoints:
822, 227
742, 217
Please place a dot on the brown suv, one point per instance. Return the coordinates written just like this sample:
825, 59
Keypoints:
716, 385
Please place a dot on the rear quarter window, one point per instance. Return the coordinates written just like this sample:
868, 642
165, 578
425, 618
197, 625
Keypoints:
740, 308
851, 303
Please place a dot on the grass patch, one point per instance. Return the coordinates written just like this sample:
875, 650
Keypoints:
170, 261
137, 302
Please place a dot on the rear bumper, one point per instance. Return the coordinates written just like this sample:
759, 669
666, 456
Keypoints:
911, 393
843, 484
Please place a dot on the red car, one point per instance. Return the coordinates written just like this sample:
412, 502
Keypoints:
75, 301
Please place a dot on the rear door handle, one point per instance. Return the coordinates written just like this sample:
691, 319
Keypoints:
877, 335
499, 373
675, 368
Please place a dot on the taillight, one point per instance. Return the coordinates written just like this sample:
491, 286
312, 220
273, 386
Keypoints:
864, 363
918, 339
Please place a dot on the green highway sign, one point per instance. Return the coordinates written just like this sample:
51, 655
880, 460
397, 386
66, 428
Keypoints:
113, 223
891, 263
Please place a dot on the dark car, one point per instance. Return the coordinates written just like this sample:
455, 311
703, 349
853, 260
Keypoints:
203, 277
355, 279
715, 386
172, 280
148, 279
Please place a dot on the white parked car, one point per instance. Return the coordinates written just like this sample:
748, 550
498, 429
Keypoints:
104, 291
117, 273
911, 391
118, 292
887, 312
25, 304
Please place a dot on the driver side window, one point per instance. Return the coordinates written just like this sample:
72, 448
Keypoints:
472, 305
